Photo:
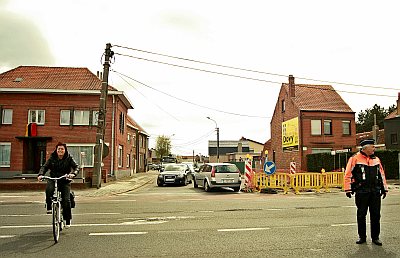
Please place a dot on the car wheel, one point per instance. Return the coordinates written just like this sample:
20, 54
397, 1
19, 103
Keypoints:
159, 183
195, 185
236, 189
206, 186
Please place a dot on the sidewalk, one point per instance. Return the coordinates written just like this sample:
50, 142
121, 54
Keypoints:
110, 188
120, 186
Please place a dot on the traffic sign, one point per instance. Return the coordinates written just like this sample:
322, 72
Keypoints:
269, 167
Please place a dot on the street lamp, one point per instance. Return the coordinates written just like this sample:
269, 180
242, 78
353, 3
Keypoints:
216, 128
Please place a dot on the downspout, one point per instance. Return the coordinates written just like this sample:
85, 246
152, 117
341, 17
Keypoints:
112, 134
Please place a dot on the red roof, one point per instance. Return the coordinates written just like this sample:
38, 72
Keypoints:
60, 78
317, 98
392, 115
132, 122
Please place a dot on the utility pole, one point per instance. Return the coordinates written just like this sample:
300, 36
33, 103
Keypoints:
101, 126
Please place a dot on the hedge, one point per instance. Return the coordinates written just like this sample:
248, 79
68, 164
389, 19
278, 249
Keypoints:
389, 159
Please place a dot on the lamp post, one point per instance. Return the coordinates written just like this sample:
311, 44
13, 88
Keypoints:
217, 129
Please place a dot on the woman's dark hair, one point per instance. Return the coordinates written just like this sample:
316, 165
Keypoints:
61, 144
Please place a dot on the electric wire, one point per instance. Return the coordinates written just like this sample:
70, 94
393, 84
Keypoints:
189, 102
147, 98
250, 78
194, 142
254, 71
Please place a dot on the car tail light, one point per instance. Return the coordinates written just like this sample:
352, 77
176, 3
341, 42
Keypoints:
213, 172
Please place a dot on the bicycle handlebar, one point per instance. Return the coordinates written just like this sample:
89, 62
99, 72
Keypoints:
56, 178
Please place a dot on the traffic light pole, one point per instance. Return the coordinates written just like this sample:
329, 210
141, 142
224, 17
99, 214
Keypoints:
101, 125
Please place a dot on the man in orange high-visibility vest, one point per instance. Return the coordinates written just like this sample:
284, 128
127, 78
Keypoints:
365, 177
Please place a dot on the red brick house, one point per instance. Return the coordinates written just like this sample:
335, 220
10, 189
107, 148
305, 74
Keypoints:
309, 119
61, 104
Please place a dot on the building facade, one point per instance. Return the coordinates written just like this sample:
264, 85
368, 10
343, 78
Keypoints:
309, 119
392, 128
41, 106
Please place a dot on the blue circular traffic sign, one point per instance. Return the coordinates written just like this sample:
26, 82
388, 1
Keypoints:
269, 167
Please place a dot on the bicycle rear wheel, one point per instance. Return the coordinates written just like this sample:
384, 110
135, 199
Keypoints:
56, 221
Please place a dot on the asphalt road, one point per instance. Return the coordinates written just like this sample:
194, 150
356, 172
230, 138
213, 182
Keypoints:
186, 222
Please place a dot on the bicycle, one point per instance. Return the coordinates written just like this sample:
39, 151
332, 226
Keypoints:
56, 208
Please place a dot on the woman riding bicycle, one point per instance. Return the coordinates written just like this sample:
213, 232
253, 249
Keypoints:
60, 163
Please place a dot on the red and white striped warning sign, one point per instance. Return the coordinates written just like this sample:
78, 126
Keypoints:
292, 167
248, 171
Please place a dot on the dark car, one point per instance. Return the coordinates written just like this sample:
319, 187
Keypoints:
174, 174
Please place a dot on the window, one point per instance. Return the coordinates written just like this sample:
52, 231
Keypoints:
320, 150
36, 116
328, 127
95, 117
393, 138
129, 137
315, 127
65, 117
5, 150
120, 155
121, 122
6, 116
283, 106
81, 117
128, 160
76, 151
346, 127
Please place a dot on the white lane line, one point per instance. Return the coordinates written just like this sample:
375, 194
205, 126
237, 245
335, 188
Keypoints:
120, 201
241, 229
7, 236
79, 214
344, 225
117, 233
133, 223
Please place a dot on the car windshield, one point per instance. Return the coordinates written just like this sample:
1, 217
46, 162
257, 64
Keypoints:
226, 169
175, 168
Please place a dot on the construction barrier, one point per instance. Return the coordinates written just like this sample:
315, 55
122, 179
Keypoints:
298, 181
274, 181
333, 180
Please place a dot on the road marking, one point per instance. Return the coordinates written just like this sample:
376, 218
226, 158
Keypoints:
344, 225
241, 229
91, 225
120, 201
7, 236
117, 233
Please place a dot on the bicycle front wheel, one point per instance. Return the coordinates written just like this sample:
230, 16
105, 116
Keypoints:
56, 221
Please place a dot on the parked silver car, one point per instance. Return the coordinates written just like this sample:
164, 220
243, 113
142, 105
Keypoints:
216, 175
174, 174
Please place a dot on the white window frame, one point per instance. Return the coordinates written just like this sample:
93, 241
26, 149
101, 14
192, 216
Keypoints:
6, 114
3, 163
78, 159
128, 160
68, 112
321, 150
120, 155
348, 122
37, 116
95, 117
328, 122
316, 127
81, 117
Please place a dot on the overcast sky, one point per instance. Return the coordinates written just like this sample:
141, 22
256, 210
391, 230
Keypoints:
353, 42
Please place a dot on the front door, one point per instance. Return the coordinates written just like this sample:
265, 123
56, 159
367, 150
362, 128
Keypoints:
34, 156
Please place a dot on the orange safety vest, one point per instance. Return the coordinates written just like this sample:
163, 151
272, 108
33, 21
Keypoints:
364, 174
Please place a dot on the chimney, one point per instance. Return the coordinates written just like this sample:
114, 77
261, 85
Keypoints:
240, 147
292, 92
398, 104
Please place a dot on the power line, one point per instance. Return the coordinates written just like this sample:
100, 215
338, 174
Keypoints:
147, 98
193, 142
254, 71
186, 101
250, 78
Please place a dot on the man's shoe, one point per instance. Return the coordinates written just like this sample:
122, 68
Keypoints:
361, 241
68, 224
48, 212
377, 242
